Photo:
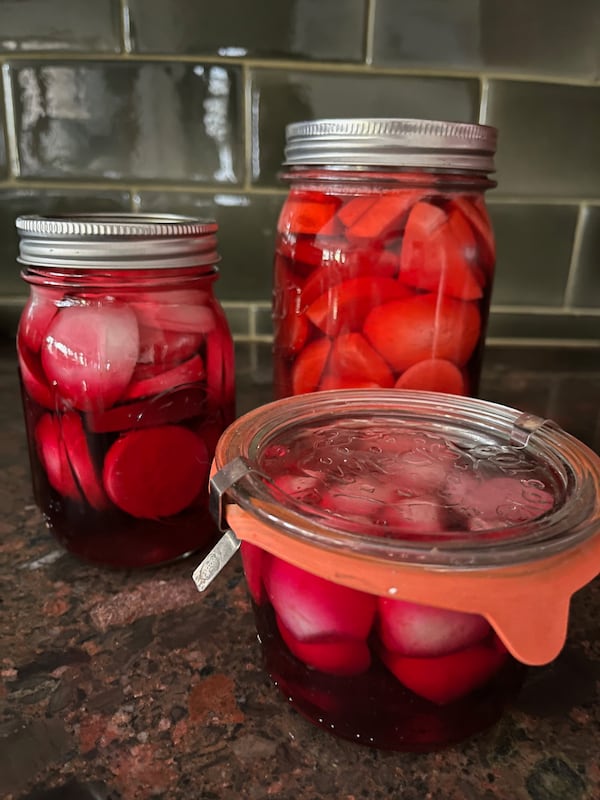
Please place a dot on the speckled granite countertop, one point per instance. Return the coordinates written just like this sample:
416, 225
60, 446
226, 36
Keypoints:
130, 685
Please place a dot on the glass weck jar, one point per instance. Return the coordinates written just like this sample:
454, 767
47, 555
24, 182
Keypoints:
127, 374
384, 256
407, 554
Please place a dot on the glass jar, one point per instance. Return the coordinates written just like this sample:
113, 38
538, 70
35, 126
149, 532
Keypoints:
407, 554
384, 257
127, 374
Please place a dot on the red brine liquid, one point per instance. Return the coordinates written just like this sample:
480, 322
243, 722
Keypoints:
126, 391
381, 289
381, 670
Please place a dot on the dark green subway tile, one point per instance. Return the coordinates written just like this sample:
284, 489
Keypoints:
136, 121
534, 245
586, 289
43, 25
548, 138
282, 97
263, 321
326, 30
442, 33
238, 319
537, 37
247, 226
561, 327
14, 202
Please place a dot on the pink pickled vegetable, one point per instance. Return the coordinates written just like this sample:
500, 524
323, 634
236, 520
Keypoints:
342, 657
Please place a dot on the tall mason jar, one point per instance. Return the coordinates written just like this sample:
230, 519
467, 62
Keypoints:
384, 256
127, 374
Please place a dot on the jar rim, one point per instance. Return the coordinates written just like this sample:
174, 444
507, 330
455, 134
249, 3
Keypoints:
116, 241
574, 520
388, 141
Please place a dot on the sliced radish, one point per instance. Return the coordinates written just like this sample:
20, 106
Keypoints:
220, 369
53, 457
35, 320
446, 678
434, 375
311, 607
190, 372
255, 561
167, 348
405, 332
81, 462
168, 407
297, 486
309, 366
412, 629
156, 472
413, 516
473, 208
352, 357
340, 382
90, 353
343, 657
194, 319
499, 502
361, 498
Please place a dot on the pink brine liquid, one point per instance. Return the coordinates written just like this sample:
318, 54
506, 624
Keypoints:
383, 671
126, 392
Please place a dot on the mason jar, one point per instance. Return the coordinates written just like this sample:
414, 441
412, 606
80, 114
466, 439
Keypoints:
127, 374
409, 554
384, 256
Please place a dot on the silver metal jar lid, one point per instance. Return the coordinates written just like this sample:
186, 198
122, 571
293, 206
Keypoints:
117, 241
391, 143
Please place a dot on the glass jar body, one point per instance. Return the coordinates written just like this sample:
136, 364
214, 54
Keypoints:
127, 382
381, 278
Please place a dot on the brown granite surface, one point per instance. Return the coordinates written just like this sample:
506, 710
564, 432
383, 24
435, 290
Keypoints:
130, 685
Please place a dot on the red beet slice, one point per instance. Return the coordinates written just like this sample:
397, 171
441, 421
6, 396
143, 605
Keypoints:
311, 607
191, 371
434, 375
195, 319
422, 327
167, 348
292, 333
156, 472
343, 308
220, 369
33, 378
255, 561
35, 320
365, 262
476, 213
90, 353
353, 357
338, 382
446, 678
53, 457
355, 208
343, 657
411, 629
309, 366
168, 407
81, 462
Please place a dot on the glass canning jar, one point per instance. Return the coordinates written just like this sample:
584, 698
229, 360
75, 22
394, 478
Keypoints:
127, 375
384, 256
407, 553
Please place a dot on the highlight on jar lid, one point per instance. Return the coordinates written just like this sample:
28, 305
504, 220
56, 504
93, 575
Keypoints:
447, 501
117, 241
391, 142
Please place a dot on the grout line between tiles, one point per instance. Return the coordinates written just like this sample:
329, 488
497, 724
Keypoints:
556, 311
125, 31
371, 11
249, 136
575, 253
11, 124
483, 101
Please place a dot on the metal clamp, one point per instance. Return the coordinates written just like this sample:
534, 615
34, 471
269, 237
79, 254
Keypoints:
220, 482
524, 425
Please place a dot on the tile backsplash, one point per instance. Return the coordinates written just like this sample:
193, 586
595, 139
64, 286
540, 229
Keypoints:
181, 105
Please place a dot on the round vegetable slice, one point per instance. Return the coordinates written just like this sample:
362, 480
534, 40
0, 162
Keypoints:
167, 348
434, 375
78, 453
33, 378
190, 318
156, 472
405, 332
353, 357
191, 371
37, 315
171, 406
53, 456
90, 352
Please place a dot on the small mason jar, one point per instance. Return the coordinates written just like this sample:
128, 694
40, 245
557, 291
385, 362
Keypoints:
127, 374
408, 554
384, 256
